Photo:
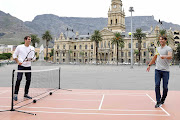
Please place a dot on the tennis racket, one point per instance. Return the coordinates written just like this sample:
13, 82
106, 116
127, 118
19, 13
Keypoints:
30, 56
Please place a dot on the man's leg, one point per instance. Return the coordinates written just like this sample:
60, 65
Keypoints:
165, 85
28, 80
157, 88
18, 82
157, 85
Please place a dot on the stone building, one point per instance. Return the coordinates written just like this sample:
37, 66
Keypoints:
72, 47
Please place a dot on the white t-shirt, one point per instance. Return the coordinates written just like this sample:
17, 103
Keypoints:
21, 53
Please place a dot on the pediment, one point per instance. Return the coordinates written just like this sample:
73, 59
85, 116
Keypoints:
106, 32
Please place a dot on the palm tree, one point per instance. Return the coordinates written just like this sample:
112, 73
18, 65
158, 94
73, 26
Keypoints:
118, 40
136, 52
47, 36
96, 37
139, 36
34, 39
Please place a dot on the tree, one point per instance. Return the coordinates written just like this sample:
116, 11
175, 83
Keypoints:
178, 52
139, 36
47, 36
136, 52
34, 39
96, 37
118, 41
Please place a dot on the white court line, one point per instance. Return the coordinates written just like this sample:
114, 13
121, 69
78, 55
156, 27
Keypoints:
4, 92
98, 113
87, 109
72, 100
138, 94
101, 102
160, 107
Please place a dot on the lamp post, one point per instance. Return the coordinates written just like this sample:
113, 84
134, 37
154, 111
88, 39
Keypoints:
131, 9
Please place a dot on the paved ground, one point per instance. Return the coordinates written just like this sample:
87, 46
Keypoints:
101, 77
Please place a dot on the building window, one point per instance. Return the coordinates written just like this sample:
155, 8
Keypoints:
75, 47
144, 45
122, 54
144, 53
57, 54
111, 22
116, 21
109, 44
91, 46
129, 45
85, 46
80, 46
101, 44
105, 44
112, 46
144, 60
64, 46
79, 60
91, 53
86, 54
74, 54
136, 45
64, 60
63, 54
57, 46
85, 60
129, 54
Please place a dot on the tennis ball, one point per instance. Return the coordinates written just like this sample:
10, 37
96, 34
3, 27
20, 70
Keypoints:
130, 33
34, 101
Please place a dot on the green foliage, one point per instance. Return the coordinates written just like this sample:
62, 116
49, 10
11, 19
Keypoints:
178, 52
47, 36
96, 37
22, 43
34, 39
52, 52
5, 56
46, 58
139, 36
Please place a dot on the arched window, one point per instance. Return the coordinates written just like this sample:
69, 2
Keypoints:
91, 46
111, 22
116, 21
85, 46
129, 45
109, 44
75, 47
80, 46
105, 44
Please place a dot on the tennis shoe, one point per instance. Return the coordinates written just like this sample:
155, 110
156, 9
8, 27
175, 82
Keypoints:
162, 101
15, 98
158, 104
27, 96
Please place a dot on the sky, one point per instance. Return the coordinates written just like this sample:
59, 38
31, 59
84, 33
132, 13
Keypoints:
26, 10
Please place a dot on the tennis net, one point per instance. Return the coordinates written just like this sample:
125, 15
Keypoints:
43, 83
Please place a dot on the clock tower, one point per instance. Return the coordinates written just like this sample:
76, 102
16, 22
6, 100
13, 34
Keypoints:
116, 17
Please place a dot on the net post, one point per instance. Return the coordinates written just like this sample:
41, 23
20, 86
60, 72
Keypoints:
12, 102
59, 78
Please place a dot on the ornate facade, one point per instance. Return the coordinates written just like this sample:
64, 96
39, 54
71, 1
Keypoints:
72, 47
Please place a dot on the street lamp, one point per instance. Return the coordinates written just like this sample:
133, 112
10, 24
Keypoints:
131, 9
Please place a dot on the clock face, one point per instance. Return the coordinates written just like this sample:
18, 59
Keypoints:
114, 6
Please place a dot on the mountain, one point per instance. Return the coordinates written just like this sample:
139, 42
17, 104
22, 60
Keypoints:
13, 30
